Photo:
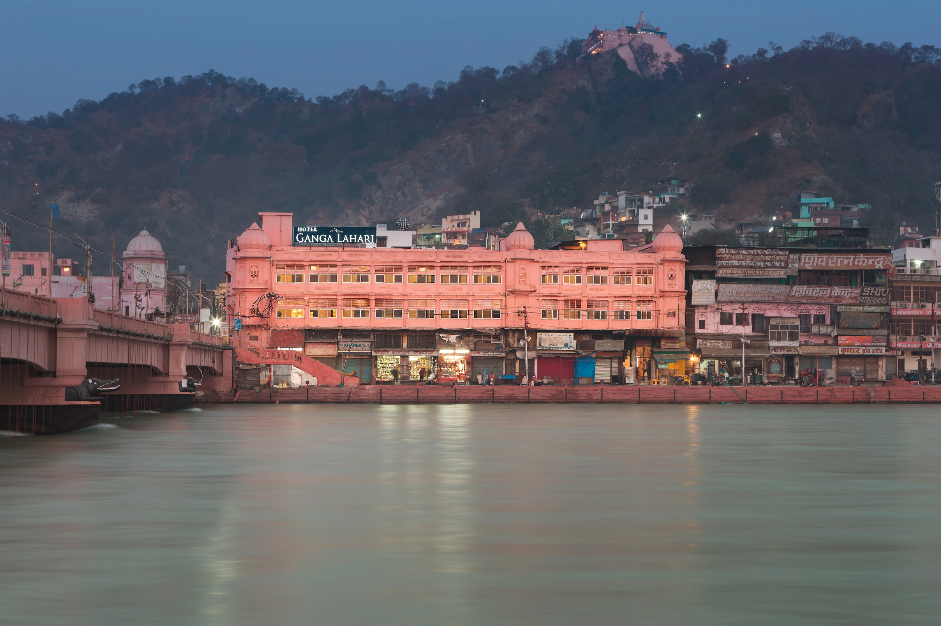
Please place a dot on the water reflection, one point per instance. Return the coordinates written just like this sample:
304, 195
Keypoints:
556, 514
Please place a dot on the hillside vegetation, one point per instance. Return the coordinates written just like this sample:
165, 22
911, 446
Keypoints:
860, 122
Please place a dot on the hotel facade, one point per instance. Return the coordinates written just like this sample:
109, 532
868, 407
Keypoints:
591, 314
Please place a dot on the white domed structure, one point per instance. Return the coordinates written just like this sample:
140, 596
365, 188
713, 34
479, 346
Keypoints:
667, 241
519, 239
254, 239
144, 246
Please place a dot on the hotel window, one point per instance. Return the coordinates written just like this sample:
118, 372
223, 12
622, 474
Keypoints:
356, 273
597, 309
550, 309
785, 331
488, 275
290, 309
453, 275
621, 309
289, 274
622, 275
323, 307
323, 273
420, 274
356, 307
596, 275
550, 275
572, 309
486, 309
645, 309
388, 308
453, 309
27, 270
645, 276
571, 276
421, 309
388, 274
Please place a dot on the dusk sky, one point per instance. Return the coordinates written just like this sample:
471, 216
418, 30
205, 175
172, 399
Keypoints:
56, 51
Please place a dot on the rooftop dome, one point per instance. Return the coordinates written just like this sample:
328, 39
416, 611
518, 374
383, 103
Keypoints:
520, 239
144, 245
667, 241
254, 239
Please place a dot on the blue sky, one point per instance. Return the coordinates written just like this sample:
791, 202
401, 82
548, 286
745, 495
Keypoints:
55, 51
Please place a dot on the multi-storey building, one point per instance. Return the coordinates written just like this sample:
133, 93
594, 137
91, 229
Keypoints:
794, 309
916, 292
591, 312
456, 229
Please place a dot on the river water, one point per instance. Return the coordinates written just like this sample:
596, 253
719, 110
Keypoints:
487, 514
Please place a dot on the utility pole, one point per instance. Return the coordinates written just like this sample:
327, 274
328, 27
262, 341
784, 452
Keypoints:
4, 259
525, 317
88, 271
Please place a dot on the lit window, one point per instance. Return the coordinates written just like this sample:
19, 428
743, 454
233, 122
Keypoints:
389, 274
621, 309
550, 275
420, 274
421, 309
453, 275
596, 275
622, 275
645, 276
356, 307
487, 309
289, 274
323, 274
598, 309
491, 275
453, 309
388, 308
571, 276
323, 307
356, 274
572, 309
290, 309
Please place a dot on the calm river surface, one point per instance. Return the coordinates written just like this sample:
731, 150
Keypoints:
560, 514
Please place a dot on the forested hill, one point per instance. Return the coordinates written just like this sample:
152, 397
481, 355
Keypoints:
194, 159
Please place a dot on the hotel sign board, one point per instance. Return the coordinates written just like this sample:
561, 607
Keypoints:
829, 295
333, 235
861, 340
845, 261
751, 263
555, 341
864, 297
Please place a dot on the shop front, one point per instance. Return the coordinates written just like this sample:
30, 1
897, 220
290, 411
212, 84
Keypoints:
356, 359
325, 352
422, 365
486, 362
608, 367
861, 363
453, 365
671, 364
389, 368
555, 357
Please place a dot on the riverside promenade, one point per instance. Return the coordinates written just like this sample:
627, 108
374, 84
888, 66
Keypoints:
461, 394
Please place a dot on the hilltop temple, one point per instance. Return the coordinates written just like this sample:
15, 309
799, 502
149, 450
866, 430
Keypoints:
627, 42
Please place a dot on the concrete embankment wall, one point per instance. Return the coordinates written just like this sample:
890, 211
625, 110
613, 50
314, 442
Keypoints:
412, 394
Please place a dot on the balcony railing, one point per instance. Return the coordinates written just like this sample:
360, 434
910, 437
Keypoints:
927, 271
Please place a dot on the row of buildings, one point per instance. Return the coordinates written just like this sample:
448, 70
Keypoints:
796, 298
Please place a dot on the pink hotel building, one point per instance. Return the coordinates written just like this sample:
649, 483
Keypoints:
595, 313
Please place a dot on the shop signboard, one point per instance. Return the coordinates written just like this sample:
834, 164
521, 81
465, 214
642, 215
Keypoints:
872, 332
793, 263
489, 353
861, 351
609, 345
874, 295
356, 345
775, 367
751, 262
320, 349
704, 292
818, 350
860, 320
861, 340
828, 295
845, 261
327, 235
733, 292
669, 343
917, 345
555, 341
862, 308
784, 349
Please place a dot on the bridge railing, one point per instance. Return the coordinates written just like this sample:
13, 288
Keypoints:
125, 322
29, 303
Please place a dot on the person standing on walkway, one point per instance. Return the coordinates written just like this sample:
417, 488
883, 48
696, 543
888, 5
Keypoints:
492, 379
395, 375
421, 375
852, 377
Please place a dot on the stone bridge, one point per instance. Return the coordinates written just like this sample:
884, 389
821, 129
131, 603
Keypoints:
48, 345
